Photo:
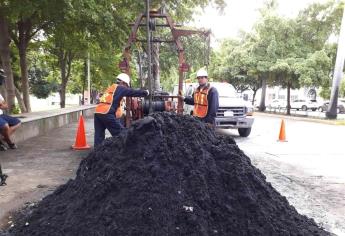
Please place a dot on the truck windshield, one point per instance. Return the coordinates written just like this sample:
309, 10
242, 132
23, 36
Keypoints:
225, 90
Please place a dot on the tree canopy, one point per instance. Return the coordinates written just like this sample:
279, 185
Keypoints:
70, 30
280, 51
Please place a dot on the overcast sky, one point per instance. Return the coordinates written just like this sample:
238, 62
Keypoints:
241, 14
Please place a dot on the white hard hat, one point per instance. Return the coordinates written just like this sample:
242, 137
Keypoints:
123, 77
201, 73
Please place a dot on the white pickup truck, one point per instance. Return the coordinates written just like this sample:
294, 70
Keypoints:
233, 112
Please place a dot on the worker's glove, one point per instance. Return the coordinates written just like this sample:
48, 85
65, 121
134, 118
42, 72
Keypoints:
147, 93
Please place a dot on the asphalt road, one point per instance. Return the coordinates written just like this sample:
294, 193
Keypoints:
308, 169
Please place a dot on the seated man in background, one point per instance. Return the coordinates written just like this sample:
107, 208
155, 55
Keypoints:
8, 124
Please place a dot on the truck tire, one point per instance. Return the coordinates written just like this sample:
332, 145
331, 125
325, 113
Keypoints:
244, 132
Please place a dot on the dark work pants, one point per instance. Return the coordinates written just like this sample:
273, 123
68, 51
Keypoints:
103, 122
208, 120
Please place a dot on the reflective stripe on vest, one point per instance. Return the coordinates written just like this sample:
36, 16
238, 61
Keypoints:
200, 102
106, 101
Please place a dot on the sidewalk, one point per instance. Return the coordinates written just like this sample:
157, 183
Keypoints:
38, 166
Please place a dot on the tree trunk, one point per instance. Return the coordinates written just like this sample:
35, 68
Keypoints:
24, 29
254, 94
62, 92
263, 94
155, 62
65, 63
288, 109
24, 76
20, 101
5, 54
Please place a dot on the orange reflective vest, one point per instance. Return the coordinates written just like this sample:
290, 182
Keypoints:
106, 101
200, 101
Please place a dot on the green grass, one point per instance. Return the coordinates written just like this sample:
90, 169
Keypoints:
340, 122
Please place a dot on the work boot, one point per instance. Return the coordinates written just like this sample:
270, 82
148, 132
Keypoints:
3, 178
2, 146
12, 146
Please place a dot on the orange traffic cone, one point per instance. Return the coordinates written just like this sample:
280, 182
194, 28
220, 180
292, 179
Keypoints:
80, 141
282, 137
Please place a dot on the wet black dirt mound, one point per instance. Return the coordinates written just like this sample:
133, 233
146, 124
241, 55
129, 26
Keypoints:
167, 175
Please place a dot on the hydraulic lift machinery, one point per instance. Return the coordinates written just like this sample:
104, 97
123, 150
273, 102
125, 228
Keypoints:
158, 100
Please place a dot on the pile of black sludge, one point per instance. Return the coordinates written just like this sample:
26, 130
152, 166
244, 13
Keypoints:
167, 175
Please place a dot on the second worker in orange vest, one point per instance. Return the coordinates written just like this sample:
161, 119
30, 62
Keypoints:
109, 110
205, 99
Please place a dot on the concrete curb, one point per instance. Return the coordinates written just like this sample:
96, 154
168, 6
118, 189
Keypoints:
39, 123
27, 117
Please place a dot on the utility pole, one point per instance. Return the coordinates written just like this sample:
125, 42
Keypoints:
148, 35
338, 72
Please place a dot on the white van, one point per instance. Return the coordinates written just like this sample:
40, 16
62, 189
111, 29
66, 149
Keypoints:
233, 111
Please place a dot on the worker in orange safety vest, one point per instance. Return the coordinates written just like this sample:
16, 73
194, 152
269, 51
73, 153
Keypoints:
205, 99
110, 108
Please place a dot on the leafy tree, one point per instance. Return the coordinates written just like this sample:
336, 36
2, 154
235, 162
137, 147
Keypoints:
264, 45
314, 70
40, 87
325, 93
81, 28
234, 63
39, 71
318, 22
25, 20
284, 72
5, 58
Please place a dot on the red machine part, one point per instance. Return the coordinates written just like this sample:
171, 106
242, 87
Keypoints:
136, 109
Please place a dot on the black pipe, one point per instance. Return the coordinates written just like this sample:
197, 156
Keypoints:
156, 106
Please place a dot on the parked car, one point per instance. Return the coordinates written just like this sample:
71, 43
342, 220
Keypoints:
304, 105
340, 107
323, 107
277, 104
